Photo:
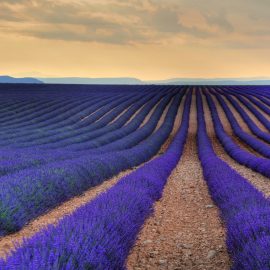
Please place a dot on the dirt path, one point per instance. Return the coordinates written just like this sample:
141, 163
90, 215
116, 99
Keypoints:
119, 115
146, 119
177, 123
163, 116
185, 231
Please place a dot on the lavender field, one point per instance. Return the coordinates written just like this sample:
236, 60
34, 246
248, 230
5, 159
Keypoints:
134, 177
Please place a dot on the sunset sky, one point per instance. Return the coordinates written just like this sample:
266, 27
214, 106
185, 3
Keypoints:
146, 39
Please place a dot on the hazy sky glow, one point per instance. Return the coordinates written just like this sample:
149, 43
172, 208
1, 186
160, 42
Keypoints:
135, 38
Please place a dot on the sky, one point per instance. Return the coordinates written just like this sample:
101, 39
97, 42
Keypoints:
147, 39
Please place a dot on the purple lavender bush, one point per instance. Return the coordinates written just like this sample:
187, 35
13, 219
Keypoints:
243, 208
100, 234
258, 164
35, 191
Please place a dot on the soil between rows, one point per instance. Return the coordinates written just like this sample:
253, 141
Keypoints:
185, 231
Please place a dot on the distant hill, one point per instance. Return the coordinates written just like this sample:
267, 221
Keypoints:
8, 79
127, 81
218, 81
174, 81
76, 80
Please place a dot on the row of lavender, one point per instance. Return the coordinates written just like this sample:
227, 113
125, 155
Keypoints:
37, 182
100, 234
250, 105
107, 135
244, 209
59, 114
259, 164
94, 130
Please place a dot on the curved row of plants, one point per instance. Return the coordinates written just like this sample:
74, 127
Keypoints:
253, 110
258, 164
117, 139
97, 119
30, 192
247, 138
54, 118
243, 208
265, 136
44, 111
77, 105
52, 122
256, 97
100, 234
68, 124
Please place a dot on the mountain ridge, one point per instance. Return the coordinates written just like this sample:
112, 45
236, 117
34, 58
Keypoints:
9, 79
173, 81
132, 81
